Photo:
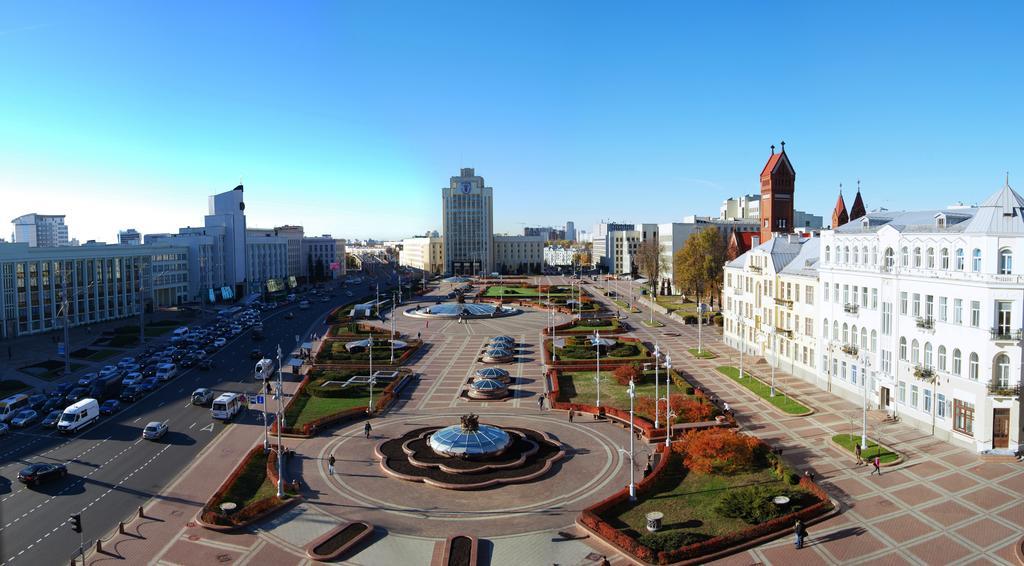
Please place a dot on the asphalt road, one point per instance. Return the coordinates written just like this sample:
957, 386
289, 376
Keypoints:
111, 470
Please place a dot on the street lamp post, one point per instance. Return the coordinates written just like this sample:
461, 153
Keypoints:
657, 398
597, 378
632, 484
280, 425
392, 340
369, 348
739, 323
866, 364
668, 402
767, 340
264, 389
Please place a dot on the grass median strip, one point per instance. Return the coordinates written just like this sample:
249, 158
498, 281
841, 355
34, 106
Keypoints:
703, 354
848, 441
785, 403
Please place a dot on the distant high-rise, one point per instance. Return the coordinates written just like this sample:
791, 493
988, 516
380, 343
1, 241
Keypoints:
777, 183
227, 212
129, 237
41, 230
570, 231
468, 216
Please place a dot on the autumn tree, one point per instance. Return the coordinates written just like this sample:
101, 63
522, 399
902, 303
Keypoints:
648, 260
720, 451
698, 265
623, 374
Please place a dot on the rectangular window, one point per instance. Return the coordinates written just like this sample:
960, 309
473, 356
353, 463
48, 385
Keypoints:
927, 400
913, 396
942, 309
958, 311
929, 306
886, 362
903, 302
886, 319
1003, 320
864, 297
940, 406
916, 306
809, 294
846, 294
842, 371
901, 394
853, 374
825, 296
963, 417
874, 298
975, 313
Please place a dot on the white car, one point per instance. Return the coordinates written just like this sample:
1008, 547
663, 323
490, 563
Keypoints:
219, 343
125, 362
108, 370
131, 379
87, 379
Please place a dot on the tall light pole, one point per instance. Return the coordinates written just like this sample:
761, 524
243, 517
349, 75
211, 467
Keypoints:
865, 363
597, 378
369, 348
739, 323
392, 337
668, 400
657, 399
632, 484
280, 425
700, 323
264, 389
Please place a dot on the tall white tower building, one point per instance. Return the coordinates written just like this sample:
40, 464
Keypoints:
468, 224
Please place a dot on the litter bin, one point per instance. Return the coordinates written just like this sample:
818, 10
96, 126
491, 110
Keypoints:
654, 521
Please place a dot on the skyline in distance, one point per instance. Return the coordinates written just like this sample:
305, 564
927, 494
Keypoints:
122, 116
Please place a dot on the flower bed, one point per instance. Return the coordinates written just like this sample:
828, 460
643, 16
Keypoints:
580, 327
338, 541
603, 519
626, 351
346, 411
252, 486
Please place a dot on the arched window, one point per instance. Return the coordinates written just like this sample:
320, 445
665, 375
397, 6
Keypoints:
904, 256
903, 348
944, 258
828, 254
976, 260
846, 254
929, 259
864, 337
846, 333
959, 259
972, 366
917, 257
874, 341
956, 361
928, 354
1001, 371
835, 330
890, 258
874, 255
915, 351
1005, 262
824, 329
942, 358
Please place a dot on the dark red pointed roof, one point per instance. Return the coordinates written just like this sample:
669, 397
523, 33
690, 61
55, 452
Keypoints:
857, 210
839, 216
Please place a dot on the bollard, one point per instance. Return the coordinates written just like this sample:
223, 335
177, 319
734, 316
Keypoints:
120, 527
99, 545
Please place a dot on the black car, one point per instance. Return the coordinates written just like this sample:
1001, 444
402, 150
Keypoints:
61, 390
76, 394
37, 401
52, 404
148, 384
187, 362
289, 315
35, 474
132, 393
149, 370
110, 407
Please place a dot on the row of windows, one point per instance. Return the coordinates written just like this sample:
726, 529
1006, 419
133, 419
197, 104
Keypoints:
1000, 363
927, 259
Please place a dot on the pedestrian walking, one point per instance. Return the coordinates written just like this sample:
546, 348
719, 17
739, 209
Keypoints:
417, 335
330, 465
725, 407
801, 532
878, 466
648, 469
857, 451
367, 428
570, 415
540, 402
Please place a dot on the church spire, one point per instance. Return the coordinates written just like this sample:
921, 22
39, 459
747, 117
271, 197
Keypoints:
857, 210
839, 216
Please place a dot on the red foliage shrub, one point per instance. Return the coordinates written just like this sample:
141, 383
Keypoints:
718, 450
623, 374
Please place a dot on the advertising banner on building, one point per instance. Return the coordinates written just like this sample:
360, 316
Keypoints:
227, 293
213, 296
335, 266
292, 283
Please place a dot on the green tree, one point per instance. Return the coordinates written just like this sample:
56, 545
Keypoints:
698, 265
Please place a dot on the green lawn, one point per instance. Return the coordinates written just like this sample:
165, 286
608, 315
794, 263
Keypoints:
308, 408
786, 404
9, 387
580, 387
596, 324
584, 351
252, 484
509, 291
656, 324
848, 441
689, 502
704, 355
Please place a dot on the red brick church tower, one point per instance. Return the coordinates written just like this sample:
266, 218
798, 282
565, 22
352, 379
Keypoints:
777, 181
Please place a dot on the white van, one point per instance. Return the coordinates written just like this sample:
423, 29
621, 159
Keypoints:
11, 405
264, 369
165, 372
78, 416
226, 406
179, 334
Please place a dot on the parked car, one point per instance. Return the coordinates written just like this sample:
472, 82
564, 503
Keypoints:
52, 418
154, 430
187, 361
110, 407
37, 401
125, 362
202, 396
52, 404
61, 390
42, 472
24, 418
108, 370
131, 379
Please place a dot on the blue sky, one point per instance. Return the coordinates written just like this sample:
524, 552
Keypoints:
348, 118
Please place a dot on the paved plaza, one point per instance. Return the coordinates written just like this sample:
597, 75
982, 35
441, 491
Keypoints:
941, 506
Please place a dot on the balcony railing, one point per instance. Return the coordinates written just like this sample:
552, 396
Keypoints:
784, 303
784, 332
924, 373
849, 349
1005, 335
754, 268
1009, 390
926, 322
851, 308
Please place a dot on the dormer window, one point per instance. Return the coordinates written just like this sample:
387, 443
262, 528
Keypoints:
940, 221
865, 223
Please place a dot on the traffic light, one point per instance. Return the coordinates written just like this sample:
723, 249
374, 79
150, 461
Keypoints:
76, 523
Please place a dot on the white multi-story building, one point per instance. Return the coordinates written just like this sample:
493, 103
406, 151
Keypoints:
266, 258
468, 215
227, 213
557, 256
324, 257
747, 208
99, 282
770, 304
518, 254
916, 313
425, 254
41, 230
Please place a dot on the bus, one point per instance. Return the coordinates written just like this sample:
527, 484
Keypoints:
226, 406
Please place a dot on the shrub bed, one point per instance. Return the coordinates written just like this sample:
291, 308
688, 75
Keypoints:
251, 487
